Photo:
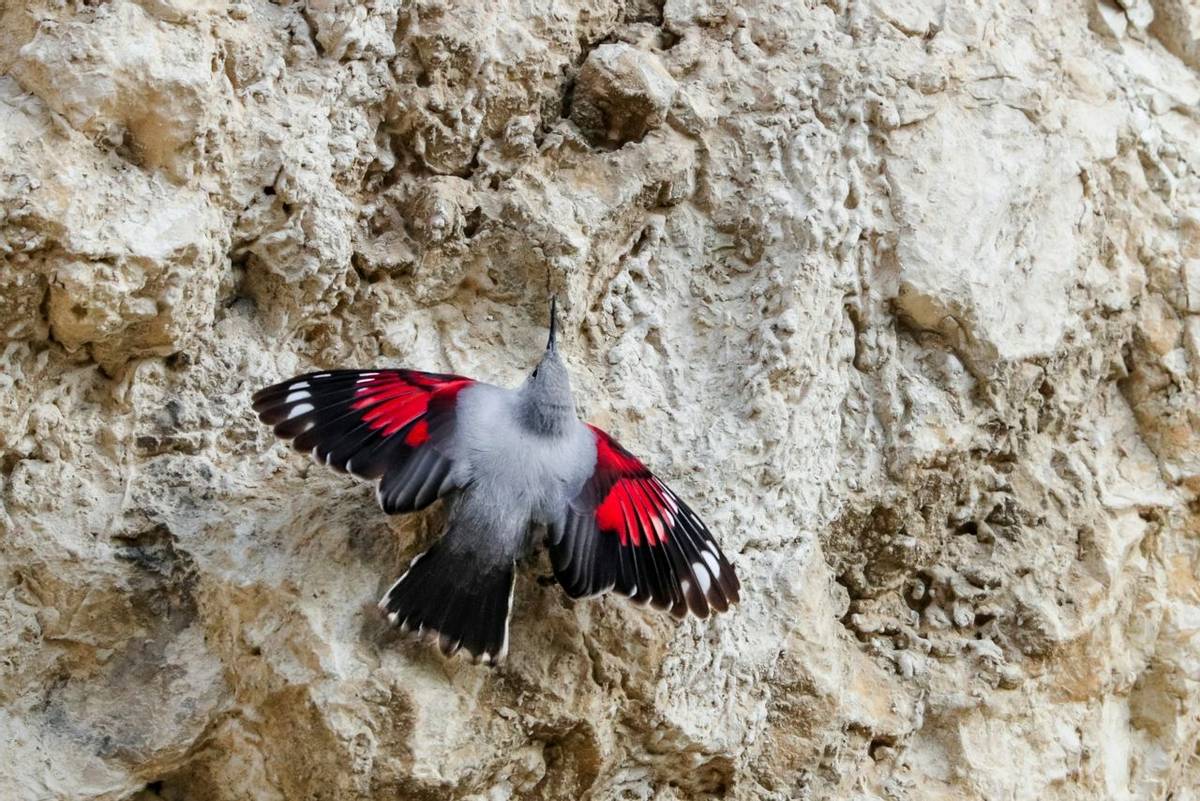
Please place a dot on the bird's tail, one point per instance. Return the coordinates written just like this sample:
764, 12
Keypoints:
459, 608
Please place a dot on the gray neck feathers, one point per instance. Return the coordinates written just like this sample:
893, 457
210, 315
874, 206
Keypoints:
547, 406
545, 419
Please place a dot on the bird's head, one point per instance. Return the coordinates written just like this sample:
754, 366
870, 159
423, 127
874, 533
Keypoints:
546, 393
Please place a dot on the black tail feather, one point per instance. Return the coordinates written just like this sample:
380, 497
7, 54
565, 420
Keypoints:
441, 600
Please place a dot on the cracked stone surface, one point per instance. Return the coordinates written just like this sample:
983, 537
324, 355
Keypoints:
904, 297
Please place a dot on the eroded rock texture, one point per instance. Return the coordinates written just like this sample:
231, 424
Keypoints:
905, 296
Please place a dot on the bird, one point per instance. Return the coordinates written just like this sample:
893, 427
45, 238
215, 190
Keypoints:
518, 469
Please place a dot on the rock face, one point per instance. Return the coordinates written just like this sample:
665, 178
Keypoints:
903, 296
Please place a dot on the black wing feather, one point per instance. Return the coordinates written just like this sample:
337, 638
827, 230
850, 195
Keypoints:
627, 531
390, 425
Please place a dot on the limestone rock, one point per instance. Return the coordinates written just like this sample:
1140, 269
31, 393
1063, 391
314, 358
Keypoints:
1177, 24
902, 297
621, 93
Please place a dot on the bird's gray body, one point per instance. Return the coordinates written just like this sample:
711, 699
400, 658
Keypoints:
515, 468
520, 456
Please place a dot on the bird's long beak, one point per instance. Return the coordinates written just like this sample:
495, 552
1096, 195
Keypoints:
553, 322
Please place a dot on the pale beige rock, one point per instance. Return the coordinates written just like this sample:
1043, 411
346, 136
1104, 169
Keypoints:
901, 296
964, 269
1177, 24
621, 93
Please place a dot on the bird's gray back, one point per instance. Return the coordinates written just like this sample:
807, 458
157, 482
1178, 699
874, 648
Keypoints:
511, 476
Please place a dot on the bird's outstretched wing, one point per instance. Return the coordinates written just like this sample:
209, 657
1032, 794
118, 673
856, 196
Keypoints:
627, 531
392, 425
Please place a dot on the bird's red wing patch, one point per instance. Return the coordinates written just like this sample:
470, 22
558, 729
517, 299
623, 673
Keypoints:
377, 424
637, 504
391, 400
628, 531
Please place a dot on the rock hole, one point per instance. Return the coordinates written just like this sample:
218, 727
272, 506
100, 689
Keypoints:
568, 98
640, 244
473, 165
128, 148
8, 463
970, 527
79, 310
878, 743
311, 30
650, 11
918, 593
179, 360
363, 270
473, 220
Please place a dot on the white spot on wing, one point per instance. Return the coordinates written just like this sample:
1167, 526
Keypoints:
711, 560
320, 375
508, 616
299, 409
702, 577
300, 385
298, 395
